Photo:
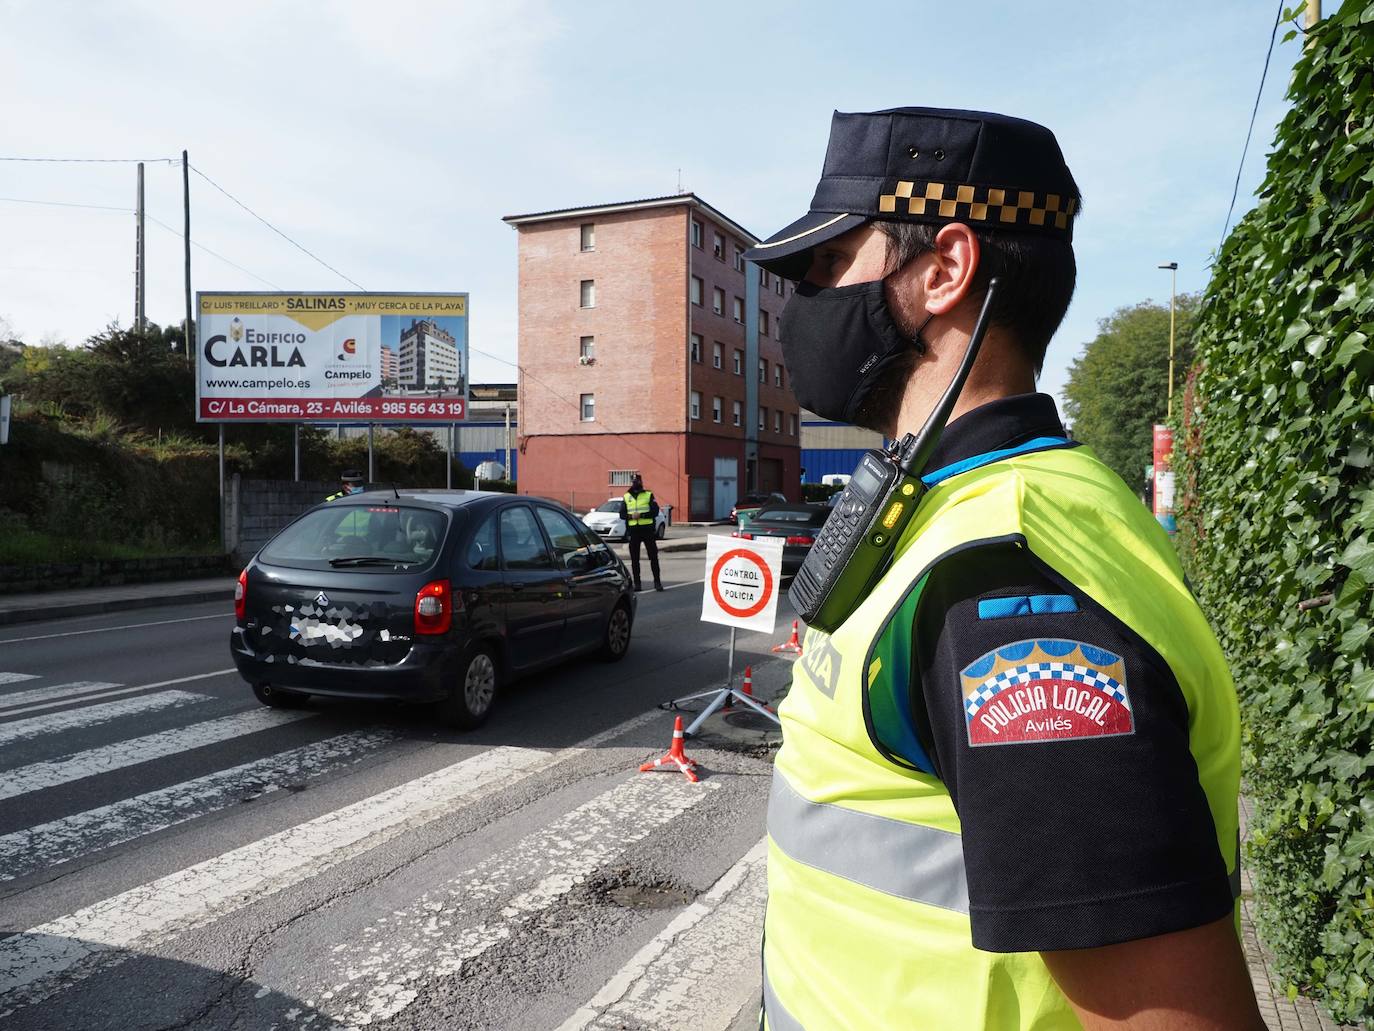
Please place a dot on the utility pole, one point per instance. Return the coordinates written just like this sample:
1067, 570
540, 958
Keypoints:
508, 473
1311, 16
140, 266
1172, 266
186, 244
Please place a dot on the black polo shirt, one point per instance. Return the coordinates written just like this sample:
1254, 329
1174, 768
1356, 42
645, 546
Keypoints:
1077, 832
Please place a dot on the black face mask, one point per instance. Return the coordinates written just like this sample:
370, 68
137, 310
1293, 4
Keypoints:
839, 343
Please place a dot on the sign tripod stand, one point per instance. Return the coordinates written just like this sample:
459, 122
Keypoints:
720, 696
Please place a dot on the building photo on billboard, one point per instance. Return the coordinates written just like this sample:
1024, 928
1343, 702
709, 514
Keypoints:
332, 357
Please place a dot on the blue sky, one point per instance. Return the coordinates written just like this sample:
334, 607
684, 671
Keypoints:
390, 139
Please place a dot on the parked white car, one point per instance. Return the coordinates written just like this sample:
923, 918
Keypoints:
606, 521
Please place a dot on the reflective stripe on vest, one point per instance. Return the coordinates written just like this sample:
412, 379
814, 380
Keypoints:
637, 508
867, 922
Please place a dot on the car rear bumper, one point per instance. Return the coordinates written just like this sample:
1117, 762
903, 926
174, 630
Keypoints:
426, 674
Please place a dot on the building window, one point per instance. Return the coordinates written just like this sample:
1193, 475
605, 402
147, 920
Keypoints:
736, 412
739, 310
698, 288
696, 233
696, 404
777, 374
586, 350
792, 424
739, 362
778, 286
739, 258
763, 277
588, 408
777, 421
718, 246
718, 300
696, 348
715, 409
763, 370
717, 355
588, 294
622, 477
763, 323
763, 419
588, 236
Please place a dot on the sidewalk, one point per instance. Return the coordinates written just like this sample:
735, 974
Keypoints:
90, 601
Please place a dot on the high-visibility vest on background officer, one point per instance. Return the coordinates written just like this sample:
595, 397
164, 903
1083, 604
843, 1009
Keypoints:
350, 482
1007, 793
639, 509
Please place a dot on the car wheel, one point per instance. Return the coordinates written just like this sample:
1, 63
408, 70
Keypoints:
662, 531
616, 641
479, 678
276, 698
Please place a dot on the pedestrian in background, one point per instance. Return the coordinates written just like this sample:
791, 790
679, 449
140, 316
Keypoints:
640, 512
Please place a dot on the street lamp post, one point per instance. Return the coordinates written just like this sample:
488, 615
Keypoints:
1172, 266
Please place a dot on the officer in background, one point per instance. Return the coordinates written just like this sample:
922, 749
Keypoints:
1007, 793
350, 482
640, 512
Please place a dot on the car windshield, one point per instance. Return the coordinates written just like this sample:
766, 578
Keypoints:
610, 506
368, 537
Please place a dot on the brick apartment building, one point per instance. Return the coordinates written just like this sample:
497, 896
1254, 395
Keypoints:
648, 344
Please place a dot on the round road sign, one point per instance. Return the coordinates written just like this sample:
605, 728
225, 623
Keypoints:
741, 583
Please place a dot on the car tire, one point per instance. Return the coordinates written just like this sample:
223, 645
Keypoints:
276, 698
662, 531
615, 641
474, 693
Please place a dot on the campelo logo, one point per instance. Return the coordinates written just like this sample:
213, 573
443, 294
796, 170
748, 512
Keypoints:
348, 349
262, 350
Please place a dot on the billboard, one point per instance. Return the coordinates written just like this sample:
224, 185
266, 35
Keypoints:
336, 357
1164, 477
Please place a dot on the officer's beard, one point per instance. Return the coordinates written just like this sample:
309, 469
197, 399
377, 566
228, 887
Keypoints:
879, 409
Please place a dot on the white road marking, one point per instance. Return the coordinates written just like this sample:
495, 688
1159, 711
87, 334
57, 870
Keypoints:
379, 972
62, 693
60, 841
700, 970
44, 960
685, 583
107, 758
6, 700
127, 626
14, 678
91, 715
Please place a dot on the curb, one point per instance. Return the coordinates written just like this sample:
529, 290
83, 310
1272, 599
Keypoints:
663, 549
11, 617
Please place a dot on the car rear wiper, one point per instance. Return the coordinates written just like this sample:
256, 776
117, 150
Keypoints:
371, 560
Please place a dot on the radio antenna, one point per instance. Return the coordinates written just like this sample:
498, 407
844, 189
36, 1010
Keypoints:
929, 437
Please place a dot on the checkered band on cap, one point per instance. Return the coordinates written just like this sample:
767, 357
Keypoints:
1020, 209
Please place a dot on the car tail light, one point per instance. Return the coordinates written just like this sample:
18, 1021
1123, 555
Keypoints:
434, 608
241, 597
745, 534
807, 541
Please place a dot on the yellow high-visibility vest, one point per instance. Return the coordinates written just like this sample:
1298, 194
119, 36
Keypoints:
637, 508
867, 925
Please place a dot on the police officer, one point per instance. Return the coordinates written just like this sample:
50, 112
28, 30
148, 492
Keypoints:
350, 482
1007, 793
639, 509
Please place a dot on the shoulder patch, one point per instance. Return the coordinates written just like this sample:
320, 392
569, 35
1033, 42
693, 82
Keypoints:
1045, 690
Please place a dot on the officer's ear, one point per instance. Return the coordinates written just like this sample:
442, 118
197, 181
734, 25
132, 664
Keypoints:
948, 276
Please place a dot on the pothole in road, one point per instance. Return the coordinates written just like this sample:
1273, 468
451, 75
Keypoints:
623, 888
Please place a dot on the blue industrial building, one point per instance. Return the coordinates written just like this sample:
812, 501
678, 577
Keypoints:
832, 448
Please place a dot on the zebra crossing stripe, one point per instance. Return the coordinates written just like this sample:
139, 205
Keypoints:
61, 693
379, 971
15, 678
693, 965
87, 696
92, 715
59, 841
107, 758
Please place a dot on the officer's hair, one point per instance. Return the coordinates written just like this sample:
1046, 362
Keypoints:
1037, 276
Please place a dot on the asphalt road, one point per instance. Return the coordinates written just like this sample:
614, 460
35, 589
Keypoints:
174, 855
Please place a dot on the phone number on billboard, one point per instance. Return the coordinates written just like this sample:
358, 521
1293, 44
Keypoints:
331, 410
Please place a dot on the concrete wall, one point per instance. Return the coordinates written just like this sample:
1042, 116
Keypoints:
254, 510
58, 576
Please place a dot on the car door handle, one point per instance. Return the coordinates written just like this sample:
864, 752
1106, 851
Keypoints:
517, 587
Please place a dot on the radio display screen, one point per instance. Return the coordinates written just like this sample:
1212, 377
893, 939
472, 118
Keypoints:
865, 481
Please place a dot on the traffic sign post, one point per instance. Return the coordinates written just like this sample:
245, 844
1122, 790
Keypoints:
742, 581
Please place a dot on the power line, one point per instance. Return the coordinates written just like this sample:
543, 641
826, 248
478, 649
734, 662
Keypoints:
1235, 190
65, 204
274, 229
213, 254
92, 161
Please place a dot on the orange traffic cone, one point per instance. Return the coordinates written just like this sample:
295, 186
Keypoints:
793, 643
748, 686
675, 756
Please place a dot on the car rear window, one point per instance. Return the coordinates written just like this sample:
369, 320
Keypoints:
367, 537
813, 517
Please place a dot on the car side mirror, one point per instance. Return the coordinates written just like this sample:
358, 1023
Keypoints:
579, 562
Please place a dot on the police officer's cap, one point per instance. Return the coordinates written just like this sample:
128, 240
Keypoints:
922, 164
350, 476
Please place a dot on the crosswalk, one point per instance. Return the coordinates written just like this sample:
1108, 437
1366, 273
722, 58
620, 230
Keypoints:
381, 969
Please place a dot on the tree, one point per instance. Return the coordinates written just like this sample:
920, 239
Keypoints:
1118, 386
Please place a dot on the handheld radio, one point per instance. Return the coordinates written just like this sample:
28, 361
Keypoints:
856, 544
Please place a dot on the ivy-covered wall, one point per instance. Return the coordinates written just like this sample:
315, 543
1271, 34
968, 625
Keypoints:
1277, 516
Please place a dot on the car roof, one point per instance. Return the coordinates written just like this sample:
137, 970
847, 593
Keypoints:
439, 497
787, 506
